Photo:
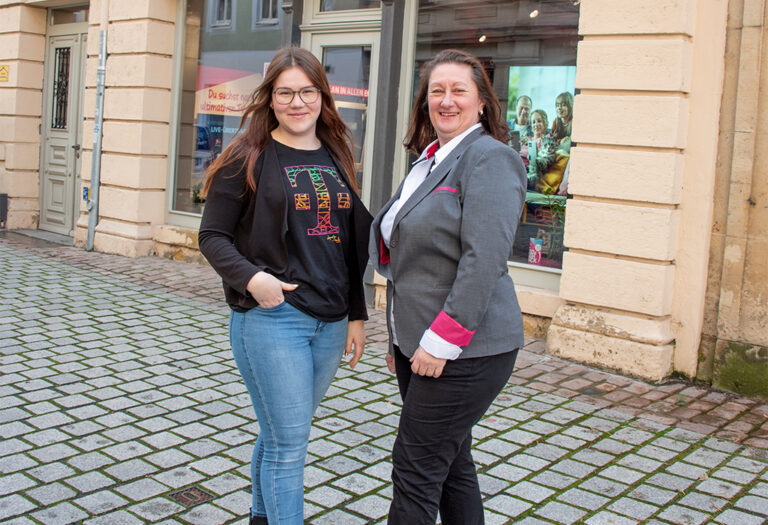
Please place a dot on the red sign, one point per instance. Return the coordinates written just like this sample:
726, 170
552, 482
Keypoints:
349, 91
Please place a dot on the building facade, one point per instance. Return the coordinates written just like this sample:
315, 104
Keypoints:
643, 246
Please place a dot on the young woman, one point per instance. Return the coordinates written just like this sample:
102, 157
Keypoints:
455, 325
561, 125
285, 229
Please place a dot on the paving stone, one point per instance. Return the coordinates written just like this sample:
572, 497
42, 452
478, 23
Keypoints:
15, 482
120, 517
131, 469
206, 514
156, 509
179, 477
561, 513
225, 483
654, 495
327, 496
680, 514
90, 482
60, 514
668, 481
609, 518
141, 489
583, 499
633, 508
508, 505
603, 486
720, 488
52, 493
686, 470
735, 517
51, 472
755, 504
554, 480
373, 507
101, 502
529, 491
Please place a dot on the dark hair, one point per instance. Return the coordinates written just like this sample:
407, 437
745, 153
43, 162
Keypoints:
559, 128
260, 118
420, 130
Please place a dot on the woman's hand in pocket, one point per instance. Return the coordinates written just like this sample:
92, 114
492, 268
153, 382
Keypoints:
268, 289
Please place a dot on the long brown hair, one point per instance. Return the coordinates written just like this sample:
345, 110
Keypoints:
560, 128
420, 130
259, 120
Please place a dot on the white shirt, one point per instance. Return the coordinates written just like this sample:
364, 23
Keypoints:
430, 341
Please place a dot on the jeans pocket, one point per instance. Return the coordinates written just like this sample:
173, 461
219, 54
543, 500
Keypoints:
270, 308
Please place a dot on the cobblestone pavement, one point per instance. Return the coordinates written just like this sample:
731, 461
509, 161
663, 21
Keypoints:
120, 404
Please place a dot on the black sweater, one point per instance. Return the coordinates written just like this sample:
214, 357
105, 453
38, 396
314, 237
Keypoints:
242, 234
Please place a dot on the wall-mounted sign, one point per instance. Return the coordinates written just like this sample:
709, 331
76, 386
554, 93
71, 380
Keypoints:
5, 70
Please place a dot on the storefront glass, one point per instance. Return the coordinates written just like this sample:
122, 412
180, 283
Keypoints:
228, 46
528, 48
344, 5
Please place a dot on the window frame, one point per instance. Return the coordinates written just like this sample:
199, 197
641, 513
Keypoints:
214, 23
256, 14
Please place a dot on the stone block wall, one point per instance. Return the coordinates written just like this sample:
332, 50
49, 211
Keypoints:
22, 51
137, 106
635, 227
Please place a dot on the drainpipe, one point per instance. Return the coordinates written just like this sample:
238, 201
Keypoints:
93, 201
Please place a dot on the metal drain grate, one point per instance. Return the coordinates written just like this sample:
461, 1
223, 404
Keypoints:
191, 496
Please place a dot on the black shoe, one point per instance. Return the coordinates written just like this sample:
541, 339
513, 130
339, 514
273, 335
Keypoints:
258, 520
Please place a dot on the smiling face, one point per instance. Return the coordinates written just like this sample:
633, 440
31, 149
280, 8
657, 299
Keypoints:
563, 109
296, 120
523, 110
453, 99
538, 124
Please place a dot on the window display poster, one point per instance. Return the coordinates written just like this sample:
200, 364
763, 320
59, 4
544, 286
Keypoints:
540, 115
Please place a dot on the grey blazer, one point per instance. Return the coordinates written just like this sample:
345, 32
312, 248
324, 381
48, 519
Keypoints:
447, 262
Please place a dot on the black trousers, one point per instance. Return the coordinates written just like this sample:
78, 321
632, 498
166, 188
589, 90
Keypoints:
432, 465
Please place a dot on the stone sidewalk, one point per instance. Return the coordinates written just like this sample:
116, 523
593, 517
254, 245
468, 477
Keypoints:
120, 404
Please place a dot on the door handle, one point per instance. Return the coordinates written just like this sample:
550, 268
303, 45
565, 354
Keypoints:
77, 149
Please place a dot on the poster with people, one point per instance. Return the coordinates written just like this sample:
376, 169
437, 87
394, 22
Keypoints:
540, 115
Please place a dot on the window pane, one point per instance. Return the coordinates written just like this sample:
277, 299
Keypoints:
348, 69
69, 15
343, 5
220, 72
528, 48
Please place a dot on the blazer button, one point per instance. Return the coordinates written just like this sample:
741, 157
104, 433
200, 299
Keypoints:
392, 244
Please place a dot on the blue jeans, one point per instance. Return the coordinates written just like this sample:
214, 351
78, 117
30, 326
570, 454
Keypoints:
287, 360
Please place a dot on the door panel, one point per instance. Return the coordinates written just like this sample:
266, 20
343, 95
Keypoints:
347, 59
61, 128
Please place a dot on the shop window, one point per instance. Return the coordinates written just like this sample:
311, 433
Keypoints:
221, 14
266, 12
220, 72
529, 50
345, 5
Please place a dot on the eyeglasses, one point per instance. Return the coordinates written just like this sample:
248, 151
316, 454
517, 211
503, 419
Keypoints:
308, 95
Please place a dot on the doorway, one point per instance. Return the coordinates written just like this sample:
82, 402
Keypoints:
345, 37
61, 128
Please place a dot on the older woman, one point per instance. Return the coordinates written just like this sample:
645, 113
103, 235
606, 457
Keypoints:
455, 325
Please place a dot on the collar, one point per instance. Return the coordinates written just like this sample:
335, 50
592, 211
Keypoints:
440, 153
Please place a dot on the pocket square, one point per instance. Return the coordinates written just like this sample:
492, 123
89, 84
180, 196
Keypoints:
445, 188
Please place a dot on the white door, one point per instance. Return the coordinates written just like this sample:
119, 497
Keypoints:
61, 129
351, 64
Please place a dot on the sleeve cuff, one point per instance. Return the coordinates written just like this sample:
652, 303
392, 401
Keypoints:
451, 330
438, 347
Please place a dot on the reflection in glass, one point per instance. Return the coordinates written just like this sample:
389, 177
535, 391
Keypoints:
348, 69
343, 5
69, 15
220, 72
529, 51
